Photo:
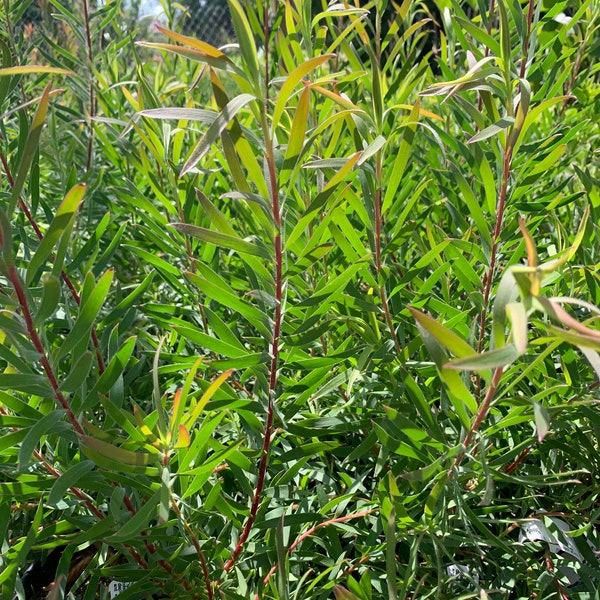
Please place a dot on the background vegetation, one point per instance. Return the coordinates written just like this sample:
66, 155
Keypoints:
309, 316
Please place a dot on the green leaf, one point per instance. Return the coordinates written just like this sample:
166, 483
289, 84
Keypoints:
78, 373
245, 39
434, 497
507, 292
222, 240
109, 455
26, 383
6, 63
402, 155
88, 311
210, 342
341, 593
37, 69
10, 569
442, 334
180, 114
553, 265
50, 298
218, 62
48, 424
493, 359
292, 81
282, 570
181, 397
492, 130
62, 223
215, 130
542, 420
194, 415
519, 321
31, 146
67, 480
296, 137
139, 522
505, 43
113, 371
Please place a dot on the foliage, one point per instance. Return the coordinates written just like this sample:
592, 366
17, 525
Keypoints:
310, 316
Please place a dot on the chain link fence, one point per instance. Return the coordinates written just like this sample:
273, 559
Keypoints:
209, 22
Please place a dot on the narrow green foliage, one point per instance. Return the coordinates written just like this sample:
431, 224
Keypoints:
301, 308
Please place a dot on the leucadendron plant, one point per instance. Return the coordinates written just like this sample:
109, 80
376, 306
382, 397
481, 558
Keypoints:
311, 315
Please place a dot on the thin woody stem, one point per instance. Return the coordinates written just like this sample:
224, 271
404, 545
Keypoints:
277, 317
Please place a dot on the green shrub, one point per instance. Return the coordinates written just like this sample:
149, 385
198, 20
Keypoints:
309, 316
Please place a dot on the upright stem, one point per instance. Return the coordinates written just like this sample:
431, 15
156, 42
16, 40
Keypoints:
63, 275
277, 317
481, 414
527, 38
35, 339
378, 195
506, 169
495, 237
487, 50
90, 59
378, 223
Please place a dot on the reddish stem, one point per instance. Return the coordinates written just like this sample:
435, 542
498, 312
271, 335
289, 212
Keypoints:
199, 552
277, 318
64, 276
496, 235
310, 532
32, 332
527, 38
481, 415
90, 58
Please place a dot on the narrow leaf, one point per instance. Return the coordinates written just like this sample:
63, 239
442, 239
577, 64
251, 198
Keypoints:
78, 373
31, 146
139, 522
487, 360
292, 81
50, 298
67, 480
27, 69
88, 312
518, 317
442, 334
243, 34
50, 423
215, 130
116, 453
492, 130
61, 225
542, 420
222, 240
181, 114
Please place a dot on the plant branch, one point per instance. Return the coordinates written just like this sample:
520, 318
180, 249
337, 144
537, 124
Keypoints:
277, 317
489, 277
35, 338
530, 10
481, 415
194, 540
63, 274
90, 59
310, 532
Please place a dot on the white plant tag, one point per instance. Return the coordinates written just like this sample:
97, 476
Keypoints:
462, 571
116, 587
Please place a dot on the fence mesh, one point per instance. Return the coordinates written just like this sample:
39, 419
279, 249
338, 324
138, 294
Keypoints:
209, 22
